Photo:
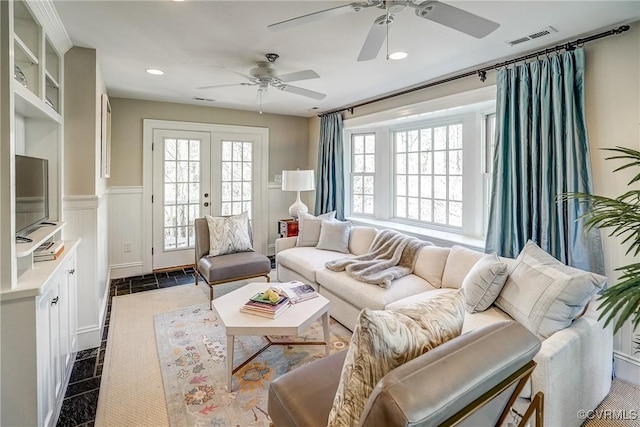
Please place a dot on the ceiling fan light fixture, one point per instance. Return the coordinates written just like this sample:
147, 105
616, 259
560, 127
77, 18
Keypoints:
398, 55
155, 71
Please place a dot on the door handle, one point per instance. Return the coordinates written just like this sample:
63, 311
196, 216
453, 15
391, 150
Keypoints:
206, 195
54, 301
206, 204
72, 271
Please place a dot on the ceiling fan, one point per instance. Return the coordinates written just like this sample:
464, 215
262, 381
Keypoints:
264, 75
435, 11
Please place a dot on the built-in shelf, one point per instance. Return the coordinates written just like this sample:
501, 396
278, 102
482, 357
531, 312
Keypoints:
27, 104
24, 54
38, 237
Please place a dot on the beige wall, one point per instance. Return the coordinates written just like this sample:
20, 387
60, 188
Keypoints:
79, 121
288, 135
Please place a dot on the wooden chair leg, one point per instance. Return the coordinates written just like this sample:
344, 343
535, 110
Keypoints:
268, 278
195, 276
210, 297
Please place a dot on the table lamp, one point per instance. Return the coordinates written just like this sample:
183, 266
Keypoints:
298, 181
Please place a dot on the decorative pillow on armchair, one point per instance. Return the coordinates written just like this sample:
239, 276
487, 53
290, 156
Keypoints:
229, 234
543, 294
382, 340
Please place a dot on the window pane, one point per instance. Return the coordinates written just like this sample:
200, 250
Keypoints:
440, 138
455, 214
194, 149
455, 136
358, 144
225, 208
170, 216
182, 215
236, 171
247, 151
246, 191
370, 144
455, 188
413, 185
170, 149
368, 185
169, 194
401, 163
368, 204
439, 212
247, 171
413, 211
426, 143
425, 163
413, 140
401, 185
426, 186
440, 187
357, 203
194, 172
401, 142
358, 163
413, 163
226, 151
401, 207
226, 191
369, 163
440, 162
194, 192
357, 185
426, 210
455, 162
183, 149
183, 172
236, 191
237, 151
169, 238
169, 171
236, 208
182, 195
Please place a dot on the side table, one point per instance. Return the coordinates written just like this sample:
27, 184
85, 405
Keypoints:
287, 227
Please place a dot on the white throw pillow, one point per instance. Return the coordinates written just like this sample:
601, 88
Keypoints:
334, 236
484, 283
309, 227
545, 295
229, 234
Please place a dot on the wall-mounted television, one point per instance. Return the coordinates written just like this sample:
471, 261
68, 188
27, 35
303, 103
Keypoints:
32, 192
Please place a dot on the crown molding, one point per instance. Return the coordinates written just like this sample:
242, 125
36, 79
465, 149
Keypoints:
46, 14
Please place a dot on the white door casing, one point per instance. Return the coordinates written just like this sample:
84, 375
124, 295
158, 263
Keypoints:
254, 142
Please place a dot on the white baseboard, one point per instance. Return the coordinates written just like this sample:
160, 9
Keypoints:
118, 271
89, 337
627, 368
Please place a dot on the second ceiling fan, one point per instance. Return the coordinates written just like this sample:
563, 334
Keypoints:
435, 11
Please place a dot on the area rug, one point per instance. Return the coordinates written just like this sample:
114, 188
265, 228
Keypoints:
192, 352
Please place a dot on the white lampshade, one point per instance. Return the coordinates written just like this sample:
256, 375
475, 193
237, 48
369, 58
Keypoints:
298, 181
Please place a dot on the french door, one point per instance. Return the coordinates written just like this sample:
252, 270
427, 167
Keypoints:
202, 173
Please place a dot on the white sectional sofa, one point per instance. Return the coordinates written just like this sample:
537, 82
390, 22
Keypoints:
574, 364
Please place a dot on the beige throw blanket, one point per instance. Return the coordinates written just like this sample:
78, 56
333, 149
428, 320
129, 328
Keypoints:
392, 255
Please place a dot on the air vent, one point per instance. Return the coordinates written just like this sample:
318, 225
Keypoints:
542, 33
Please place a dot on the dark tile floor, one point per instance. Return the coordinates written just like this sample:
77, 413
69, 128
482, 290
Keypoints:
81, 398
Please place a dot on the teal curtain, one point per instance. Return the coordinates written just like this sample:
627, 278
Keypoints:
542, 151
330, 176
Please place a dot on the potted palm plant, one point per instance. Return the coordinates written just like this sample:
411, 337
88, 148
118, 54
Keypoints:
620, 215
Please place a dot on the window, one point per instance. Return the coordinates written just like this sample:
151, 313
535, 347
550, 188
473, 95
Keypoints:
423, 166
428, 174
236, 177
363, 167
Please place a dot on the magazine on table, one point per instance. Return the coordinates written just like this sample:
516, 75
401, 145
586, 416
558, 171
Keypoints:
297, 291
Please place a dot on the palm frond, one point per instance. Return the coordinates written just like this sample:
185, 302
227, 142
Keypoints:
622, 301
630, 154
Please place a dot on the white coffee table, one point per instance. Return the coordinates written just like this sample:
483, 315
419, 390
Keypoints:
293, 321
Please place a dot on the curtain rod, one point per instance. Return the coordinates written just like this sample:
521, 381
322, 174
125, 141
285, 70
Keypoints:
482, 72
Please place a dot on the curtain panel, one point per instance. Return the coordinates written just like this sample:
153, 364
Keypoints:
330, 176
542, 151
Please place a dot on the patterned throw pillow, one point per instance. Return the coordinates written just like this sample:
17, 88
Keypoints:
229, 234
545, 295
382, 340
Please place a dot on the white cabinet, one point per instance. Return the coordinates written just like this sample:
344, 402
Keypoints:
38, 341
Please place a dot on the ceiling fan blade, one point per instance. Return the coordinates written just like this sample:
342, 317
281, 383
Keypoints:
373, 42
304, 92
227, 85
457, 19
304, 19
299, 75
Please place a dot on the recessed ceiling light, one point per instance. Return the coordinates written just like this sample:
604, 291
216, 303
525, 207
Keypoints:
398, 55
155, 71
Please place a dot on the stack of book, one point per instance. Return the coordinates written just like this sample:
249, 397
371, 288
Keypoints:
297, 291
48, 251
262, 306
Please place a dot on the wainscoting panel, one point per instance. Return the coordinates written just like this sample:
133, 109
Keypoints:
83, 215
626, 354
125, 231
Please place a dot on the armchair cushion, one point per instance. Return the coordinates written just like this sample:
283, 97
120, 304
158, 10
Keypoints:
230, 266
229, 234
385, 339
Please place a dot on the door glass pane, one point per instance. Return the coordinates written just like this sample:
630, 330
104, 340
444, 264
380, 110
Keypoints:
236, 185
181, 191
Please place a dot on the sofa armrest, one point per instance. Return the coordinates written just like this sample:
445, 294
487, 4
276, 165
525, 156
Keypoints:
574, 369
285, 243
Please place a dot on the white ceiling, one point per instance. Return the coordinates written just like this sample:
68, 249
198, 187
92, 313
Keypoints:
193, 40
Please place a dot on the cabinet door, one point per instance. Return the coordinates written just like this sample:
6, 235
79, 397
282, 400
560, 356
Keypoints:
47, 350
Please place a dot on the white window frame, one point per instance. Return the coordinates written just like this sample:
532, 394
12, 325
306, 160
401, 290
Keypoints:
443, 110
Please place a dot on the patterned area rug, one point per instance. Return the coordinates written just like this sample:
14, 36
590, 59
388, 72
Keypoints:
192, 352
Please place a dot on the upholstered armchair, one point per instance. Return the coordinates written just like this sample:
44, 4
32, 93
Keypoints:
228, 267
472, 380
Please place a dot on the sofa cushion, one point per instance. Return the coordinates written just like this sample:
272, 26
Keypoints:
361, 295
306, 261
334, 236
459, 262
545, 295
385, 339
360, 239
309, 227
430, 264
484, 283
